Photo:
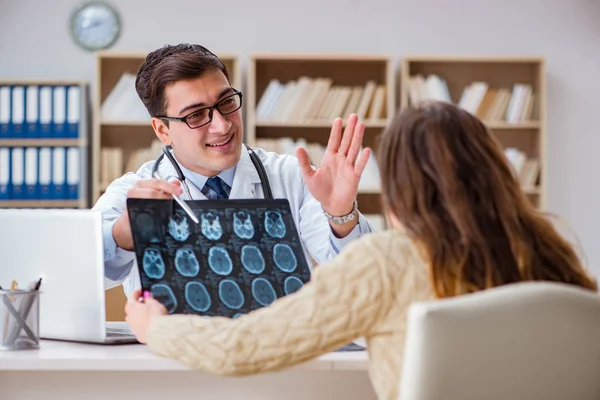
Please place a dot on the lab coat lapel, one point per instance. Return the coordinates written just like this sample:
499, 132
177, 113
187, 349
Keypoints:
246, 178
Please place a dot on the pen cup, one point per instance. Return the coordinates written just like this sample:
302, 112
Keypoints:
19, 319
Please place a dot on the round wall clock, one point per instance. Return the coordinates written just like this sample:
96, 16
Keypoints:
95, 26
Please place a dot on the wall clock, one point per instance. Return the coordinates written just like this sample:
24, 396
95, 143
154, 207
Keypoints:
95, 26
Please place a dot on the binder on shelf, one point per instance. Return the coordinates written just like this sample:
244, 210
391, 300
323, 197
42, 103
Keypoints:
31, 174
73, 172
5, 172
59, 172
5, 112
73, 111
45, 126
18, 111
17, 173
45, 173
59, 111
32, 105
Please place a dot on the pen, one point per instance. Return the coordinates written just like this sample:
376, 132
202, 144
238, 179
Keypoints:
183, 204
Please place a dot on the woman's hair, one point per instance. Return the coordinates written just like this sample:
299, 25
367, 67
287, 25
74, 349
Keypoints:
448, 182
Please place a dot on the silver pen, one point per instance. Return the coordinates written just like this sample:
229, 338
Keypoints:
182, 203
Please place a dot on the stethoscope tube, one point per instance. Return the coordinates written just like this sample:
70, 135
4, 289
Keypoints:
260, 168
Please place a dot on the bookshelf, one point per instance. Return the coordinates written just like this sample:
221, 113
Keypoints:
294, 98
43, 144
122, 142
507, 93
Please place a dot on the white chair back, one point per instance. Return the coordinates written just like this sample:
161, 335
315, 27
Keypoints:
529, 341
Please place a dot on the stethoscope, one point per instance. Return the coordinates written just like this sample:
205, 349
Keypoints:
260, 168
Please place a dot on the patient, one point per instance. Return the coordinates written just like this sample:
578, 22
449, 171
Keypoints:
460, 224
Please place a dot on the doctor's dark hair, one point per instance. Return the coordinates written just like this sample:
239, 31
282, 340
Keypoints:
447, 181
171, 64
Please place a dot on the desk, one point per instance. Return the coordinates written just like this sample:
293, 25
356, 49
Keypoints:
63, 370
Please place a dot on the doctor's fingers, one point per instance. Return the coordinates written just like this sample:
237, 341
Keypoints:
147, 193
160, 185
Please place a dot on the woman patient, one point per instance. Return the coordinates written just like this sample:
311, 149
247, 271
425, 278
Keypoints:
460, 224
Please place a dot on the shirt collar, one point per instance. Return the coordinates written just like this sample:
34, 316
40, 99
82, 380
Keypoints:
199, 180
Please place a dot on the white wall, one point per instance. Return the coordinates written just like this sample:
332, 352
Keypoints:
34, 42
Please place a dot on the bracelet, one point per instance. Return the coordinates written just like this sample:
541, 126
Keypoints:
344, 218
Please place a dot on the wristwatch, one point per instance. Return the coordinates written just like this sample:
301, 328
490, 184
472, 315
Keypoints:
344, 218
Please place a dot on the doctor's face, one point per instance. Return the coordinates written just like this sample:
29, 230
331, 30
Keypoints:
214, 146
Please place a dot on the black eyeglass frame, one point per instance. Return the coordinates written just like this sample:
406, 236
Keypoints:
210, 111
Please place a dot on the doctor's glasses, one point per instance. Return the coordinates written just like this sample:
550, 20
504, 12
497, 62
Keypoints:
203, 116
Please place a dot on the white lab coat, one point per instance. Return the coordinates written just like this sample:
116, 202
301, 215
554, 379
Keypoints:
286, 181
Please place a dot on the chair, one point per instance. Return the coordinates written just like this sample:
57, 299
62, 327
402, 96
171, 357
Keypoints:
533, 340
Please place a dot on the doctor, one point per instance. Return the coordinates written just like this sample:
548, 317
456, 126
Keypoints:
195, 111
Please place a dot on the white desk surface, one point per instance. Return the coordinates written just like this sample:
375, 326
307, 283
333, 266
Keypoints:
69, 356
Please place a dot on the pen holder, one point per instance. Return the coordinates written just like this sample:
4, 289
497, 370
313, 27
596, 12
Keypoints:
19, 319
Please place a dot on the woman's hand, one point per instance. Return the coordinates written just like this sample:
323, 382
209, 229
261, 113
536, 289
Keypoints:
139, 315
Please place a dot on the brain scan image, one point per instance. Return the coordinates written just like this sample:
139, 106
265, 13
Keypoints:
153, 263
163, 294
284, 257
252, 259
197, 296
274, 224
231, 295
292, 284
242, 225
145, 224
186, 262
219, 260
210, 225
263, 291
179, 228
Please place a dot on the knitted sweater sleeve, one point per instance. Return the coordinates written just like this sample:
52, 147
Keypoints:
345, 299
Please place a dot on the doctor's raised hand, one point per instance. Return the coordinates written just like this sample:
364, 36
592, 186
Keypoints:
335, 183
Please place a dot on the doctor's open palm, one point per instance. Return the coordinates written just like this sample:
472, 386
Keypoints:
335, 183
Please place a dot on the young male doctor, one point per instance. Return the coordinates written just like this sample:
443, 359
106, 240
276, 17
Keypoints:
186, 89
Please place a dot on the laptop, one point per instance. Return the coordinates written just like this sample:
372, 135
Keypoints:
64, 247
242, 255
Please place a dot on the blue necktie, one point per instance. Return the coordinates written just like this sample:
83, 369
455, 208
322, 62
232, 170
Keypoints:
218, 186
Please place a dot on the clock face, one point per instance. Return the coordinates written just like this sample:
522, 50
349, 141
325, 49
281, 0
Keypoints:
95, 26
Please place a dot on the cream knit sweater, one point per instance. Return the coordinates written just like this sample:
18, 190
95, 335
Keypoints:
364, 292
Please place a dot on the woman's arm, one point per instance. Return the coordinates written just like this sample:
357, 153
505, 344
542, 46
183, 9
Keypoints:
344, 300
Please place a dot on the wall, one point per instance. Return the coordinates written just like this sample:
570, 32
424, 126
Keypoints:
35, 42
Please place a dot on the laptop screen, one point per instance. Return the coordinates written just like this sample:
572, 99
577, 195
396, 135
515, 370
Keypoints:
242, 255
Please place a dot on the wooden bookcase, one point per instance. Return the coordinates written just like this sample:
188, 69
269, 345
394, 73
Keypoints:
40, 132
507, 93
294, 98
129, 139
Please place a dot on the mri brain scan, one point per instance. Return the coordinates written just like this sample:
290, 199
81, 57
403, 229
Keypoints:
210, 225
153, 263
242, 225
274, 224
231, 295
284, 257
219, 260
238, 258
263, 291
186, 262
252, 259
179, 228
197, 296
164, 295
